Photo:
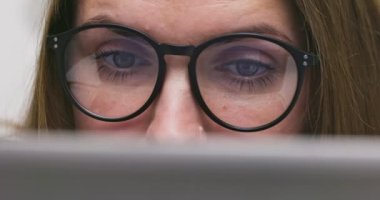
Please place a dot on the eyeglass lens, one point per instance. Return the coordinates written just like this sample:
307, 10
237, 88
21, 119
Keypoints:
246, 82
110, 74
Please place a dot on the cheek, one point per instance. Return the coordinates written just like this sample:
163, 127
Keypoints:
293, 124
109, 100
134, 126
241, 112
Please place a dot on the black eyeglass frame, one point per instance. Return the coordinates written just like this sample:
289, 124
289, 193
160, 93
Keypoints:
59, 43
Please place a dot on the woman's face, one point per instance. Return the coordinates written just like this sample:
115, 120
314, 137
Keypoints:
175, 115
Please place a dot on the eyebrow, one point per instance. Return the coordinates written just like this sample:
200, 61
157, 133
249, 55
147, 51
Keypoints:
263, 28
100, 19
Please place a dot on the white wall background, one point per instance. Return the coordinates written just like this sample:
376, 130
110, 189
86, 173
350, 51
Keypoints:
21, 22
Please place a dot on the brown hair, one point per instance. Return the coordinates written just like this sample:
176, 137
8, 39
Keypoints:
346, 35
344, 90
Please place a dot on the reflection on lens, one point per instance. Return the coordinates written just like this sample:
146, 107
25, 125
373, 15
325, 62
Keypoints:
110, 73
246, 82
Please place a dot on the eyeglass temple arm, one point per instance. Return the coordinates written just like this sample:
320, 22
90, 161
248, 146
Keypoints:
309, 60
53, 42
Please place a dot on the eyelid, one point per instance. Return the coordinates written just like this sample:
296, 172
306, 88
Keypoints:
235, 52
118, 43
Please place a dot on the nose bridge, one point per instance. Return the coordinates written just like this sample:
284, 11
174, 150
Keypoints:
186, 50
177, 116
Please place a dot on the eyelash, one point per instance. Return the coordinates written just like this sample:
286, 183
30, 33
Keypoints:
251, 84
261, 82
111, 74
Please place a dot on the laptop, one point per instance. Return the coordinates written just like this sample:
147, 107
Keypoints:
118, 168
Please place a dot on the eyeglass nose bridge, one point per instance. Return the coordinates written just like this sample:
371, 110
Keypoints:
168, 49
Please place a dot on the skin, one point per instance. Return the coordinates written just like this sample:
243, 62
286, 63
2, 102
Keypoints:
189, 22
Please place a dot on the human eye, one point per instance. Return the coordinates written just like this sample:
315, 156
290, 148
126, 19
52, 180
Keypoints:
245, 68
247, 72
120, 60
120, 64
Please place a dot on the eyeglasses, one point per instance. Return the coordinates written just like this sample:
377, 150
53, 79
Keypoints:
243, 81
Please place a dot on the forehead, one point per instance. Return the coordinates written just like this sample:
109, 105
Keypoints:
191, 21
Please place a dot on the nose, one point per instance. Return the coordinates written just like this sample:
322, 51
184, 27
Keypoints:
176, 117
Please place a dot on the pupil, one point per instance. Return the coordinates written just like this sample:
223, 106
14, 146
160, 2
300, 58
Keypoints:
246, 68
124, 60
